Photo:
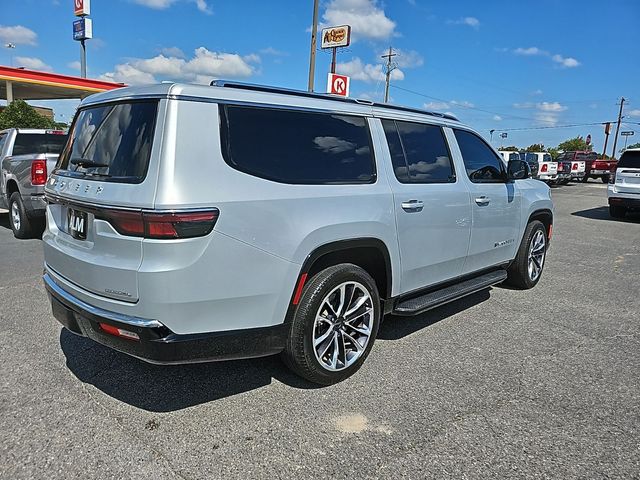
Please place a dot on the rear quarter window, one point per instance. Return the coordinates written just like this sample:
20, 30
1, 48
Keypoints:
297, 147
111, 141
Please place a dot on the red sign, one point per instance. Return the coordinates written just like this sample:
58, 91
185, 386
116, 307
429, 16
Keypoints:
338, 84
81, 7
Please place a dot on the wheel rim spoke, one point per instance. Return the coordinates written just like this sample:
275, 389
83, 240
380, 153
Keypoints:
536, 255
343, 326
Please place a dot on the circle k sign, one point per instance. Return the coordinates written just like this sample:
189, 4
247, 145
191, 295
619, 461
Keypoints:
338, 84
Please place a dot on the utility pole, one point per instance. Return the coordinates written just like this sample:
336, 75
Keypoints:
389, 68
314, 34
615, 139
83, 59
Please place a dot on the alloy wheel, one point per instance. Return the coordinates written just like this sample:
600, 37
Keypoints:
537, 251
15, 216
343, 326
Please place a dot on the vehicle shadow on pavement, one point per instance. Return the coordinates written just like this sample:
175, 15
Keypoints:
4, 221
167, 388
395, 327
602, 213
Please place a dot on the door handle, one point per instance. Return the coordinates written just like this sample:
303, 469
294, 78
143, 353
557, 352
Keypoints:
483, 200
412, 206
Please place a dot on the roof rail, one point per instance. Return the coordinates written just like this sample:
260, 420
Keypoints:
302, 93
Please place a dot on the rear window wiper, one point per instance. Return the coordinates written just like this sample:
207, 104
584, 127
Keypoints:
85, 162
93, 174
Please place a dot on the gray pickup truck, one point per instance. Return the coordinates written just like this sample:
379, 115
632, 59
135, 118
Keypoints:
26, 158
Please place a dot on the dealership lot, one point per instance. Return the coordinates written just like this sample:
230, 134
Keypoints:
505, 383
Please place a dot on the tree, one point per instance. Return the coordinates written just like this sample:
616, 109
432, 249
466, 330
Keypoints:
19, 114
635, 145
536, 147
512, 148
553, 152
574, 144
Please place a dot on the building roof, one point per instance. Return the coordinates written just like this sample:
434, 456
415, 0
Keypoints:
36, 85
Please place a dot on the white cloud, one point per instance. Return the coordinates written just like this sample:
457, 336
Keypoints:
463, 104
436, 106
274, 52
18, 35
530, 51
551, 107
550, 119
164, 4
469, 21
173, 52
203, 67
75, 65
633, 113
405, 58
366, 18
358, 70
537, 92
32, 63
566, 62
497, 118
524, 105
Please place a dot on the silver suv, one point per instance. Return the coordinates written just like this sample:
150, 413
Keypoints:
194, 223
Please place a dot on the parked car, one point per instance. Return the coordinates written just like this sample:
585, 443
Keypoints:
508, 155
532, 161
193, 223
547, 168
623, 190
578, 163
26, 155
595, 167
564, 172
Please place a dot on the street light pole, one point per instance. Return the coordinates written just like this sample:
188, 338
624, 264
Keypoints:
83, 59
615, 139
314, 34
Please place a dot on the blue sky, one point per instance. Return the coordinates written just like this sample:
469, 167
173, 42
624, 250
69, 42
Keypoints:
500, 64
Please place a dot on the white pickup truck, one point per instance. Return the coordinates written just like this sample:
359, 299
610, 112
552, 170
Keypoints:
548, 169
26, 158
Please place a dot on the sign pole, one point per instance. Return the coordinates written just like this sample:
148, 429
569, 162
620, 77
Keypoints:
333, 60
314, 33
83, 59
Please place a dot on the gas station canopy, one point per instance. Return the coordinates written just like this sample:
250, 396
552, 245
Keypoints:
20, 83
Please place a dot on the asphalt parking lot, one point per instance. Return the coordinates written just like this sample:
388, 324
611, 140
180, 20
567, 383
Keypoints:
521, 384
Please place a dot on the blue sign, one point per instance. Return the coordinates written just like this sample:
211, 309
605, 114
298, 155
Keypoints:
82, 29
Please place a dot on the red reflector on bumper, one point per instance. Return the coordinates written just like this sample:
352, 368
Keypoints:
298, 294
118, 332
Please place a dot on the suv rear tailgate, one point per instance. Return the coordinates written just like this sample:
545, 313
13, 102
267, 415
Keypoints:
109, 166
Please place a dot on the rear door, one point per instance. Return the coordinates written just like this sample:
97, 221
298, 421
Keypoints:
495, 203
433, 213
105, 171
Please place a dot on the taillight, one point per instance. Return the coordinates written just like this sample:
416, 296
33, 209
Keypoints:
161, 225
38, 172
574, 166
544, 168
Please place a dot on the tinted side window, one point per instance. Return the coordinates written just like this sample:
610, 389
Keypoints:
482, 165
419, 152
297, 147
3, 140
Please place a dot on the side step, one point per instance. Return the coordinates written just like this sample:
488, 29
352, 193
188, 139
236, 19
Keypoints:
448, 294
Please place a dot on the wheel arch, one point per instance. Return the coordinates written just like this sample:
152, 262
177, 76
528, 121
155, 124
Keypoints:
11, 188
370, 254
546, 217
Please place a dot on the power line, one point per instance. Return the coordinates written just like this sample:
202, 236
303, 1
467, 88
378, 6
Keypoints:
572, 125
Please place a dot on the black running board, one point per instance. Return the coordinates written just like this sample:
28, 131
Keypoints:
434, 299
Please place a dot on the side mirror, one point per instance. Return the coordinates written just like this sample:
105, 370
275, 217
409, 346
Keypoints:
518, 170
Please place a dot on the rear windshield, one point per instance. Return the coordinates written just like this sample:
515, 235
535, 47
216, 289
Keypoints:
111, 141
630, 159
530, 157
547, 158
31, 143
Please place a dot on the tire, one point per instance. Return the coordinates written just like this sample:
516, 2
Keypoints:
336, 357
617, 212
519, 274
605, 178
585, 179
20, 222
